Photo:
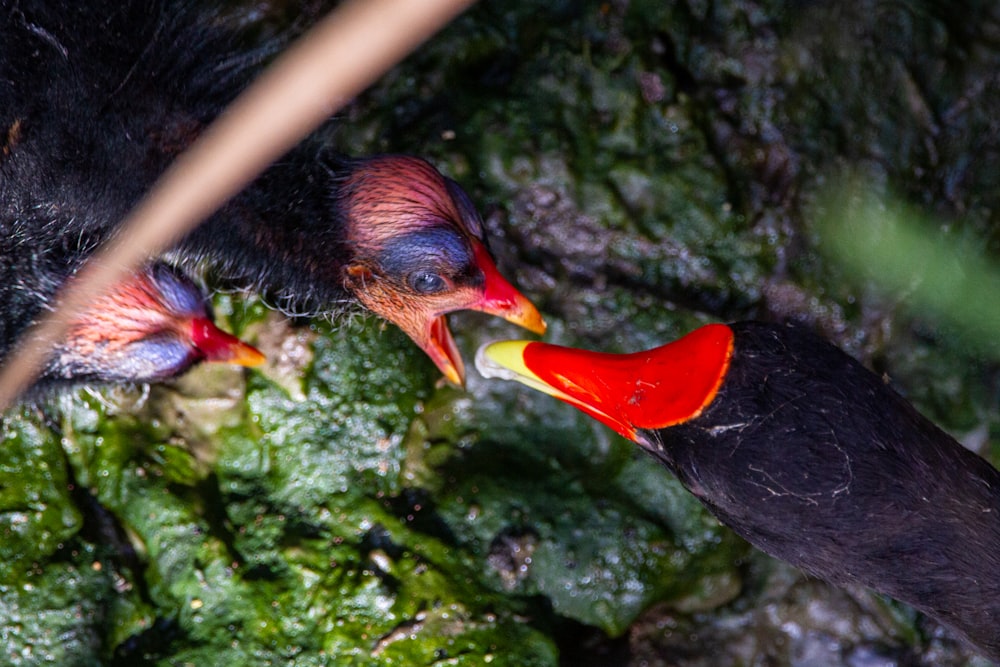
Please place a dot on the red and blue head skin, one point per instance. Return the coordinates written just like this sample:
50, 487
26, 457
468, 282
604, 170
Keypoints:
152, 326
418, 251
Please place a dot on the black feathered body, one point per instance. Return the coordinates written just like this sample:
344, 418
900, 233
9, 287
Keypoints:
96, 100
817, 461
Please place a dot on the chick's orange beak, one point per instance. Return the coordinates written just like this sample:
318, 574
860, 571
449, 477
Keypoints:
423, 318
502, 299
662, 387
440, 346
497, 297
216, 345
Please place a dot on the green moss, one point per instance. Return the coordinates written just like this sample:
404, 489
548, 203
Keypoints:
36, 514
56, 612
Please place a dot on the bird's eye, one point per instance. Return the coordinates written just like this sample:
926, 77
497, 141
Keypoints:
425, 282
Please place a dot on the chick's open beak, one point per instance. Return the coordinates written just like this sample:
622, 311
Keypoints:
443, 351
422, 317
497, 297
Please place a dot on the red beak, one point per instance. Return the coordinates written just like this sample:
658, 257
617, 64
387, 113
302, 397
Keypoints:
498, 298
654, 389
216, 345
502, 299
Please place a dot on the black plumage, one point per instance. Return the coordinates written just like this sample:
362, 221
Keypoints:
816, 460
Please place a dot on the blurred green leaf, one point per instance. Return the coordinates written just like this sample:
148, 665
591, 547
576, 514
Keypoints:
927, 267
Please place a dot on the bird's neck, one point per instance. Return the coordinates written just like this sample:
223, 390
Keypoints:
815, 460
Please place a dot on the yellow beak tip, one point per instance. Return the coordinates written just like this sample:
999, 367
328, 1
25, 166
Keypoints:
454, 377
247, 356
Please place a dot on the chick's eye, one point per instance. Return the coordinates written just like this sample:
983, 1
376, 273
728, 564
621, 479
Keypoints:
424, 282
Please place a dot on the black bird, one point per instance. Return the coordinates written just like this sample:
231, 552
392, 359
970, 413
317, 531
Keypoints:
97, 98
805, 453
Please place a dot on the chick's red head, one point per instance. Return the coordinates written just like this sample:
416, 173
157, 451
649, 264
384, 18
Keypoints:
419, 252
153, 325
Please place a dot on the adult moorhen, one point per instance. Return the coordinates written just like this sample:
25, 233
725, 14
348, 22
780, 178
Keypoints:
805, 453
96, 99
